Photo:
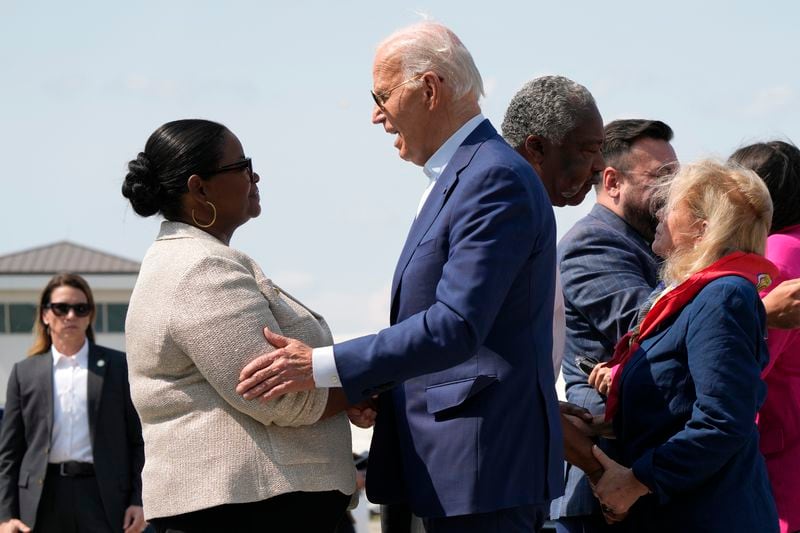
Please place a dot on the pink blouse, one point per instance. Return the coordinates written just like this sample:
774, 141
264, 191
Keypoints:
779, 418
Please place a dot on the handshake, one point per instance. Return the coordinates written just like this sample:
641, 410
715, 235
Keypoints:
580, 429
363, 413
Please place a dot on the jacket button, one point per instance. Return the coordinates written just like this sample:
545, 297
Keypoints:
40, 482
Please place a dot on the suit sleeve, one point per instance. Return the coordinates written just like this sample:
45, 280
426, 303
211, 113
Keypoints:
12, 450
217, 319
494, 229
133, 429
604, 282
723, 342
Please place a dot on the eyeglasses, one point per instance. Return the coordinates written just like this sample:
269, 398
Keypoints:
62, 309
244, 163
663, 172
381, 97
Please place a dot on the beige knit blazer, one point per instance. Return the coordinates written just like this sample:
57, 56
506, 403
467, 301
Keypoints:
195, 319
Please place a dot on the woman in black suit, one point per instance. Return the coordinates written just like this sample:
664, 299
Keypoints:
71, 450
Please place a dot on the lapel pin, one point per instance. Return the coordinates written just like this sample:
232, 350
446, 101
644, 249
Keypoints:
101, 363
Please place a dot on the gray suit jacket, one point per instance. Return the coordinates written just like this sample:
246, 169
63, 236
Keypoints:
116, 435
195, 319
607, 273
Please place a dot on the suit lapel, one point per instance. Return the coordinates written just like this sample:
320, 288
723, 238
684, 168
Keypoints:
433, 205
436, 200
44, 375
94, 383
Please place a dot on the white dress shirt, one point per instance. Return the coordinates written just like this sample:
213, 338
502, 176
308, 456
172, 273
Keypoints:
71, 440
323, 364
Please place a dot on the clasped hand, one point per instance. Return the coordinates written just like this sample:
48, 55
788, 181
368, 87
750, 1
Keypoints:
618, 489
289, 369
286, 369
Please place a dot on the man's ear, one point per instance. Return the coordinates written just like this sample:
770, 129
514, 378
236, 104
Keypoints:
534, 149
612, 180
433, 88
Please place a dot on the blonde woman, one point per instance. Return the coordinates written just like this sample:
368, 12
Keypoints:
686, 389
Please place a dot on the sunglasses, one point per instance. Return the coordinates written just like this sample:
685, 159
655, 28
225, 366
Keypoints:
244, 163
62, 309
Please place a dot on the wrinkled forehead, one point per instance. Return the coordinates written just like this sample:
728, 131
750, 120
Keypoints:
387, 63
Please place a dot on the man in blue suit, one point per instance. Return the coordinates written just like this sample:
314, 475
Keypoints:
468, 431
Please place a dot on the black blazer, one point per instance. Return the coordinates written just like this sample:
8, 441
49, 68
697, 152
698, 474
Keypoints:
116, 433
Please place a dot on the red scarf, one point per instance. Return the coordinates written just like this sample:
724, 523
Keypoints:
752, 267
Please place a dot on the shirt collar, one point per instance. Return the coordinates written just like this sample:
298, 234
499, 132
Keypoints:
81, 358
435, 166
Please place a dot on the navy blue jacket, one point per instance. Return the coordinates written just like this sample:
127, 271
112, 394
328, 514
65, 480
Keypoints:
686, 420
607, 272
468, 416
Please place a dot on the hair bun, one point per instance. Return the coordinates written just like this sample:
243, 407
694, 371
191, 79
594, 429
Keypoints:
141, 186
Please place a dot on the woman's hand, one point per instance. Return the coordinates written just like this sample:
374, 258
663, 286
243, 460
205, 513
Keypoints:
134, 520
600, 378
618, 489
14, 526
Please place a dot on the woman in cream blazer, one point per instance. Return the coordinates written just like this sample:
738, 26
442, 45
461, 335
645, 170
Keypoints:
213, 460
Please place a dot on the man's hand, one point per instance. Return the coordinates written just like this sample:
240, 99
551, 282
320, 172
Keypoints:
134, 519
587, 424
578, 444
287, 369
600, 378
571, 409
783, 305
363, 414
618, 489
14, 526
601, 428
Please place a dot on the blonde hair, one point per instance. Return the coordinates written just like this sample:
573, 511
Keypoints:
733, 202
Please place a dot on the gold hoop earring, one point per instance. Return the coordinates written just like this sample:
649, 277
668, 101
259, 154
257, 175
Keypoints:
213, 217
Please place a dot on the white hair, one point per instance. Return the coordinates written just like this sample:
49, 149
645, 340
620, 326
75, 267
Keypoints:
430, 46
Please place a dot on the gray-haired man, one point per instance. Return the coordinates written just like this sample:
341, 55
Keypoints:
554, 124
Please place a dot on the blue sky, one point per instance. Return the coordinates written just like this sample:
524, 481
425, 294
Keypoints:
85, 83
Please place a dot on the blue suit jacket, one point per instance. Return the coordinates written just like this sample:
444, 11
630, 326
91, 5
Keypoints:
607, 272
686, 421
468, 419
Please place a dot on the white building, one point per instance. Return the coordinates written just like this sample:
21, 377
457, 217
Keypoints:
24, 274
